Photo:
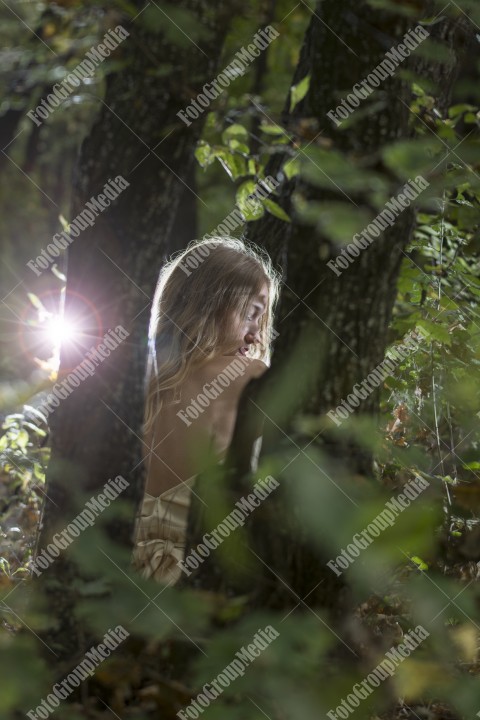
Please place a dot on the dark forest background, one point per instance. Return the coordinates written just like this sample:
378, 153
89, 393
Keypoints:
419, 276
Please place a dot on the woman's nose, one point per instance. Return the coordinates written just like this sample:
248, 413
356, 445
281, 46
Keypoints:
252, 337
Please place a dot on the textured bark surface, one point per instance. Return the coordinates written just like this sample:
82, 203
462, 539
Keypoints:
345, 318
112, 269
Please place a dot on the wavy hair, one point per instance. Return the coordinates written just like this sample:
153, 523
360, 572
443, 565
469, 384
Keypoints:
197, 292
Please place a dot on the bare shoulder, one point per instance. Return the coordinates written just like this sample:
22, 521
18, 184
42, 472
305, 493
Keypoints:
257, 367
251, 367
240, 368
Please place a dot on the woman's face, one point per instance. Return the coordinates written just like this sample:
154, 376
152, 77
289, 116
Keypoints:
245, 329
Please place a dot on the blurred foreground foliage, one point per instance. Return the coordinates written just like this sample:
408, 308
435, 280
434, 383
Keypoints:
423, 570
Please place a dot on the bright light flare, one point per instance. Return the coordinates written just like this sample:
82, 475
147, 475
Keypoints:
45, 330
61, 330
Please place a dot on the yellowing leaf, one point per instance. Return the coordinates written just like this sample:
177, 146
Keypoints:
298, 92
413, 677
466, 638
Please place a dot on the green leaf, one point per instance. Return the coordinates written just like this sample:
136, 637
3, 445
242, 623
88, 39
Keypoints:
472, 466
408, 158
339, 221
291, 167
22, 439
234, 131
419, 562
436, 331
336, 171
251, 207
238, 146
204, 154
298, 92
456, 110
234, 165
270, 129
275, 209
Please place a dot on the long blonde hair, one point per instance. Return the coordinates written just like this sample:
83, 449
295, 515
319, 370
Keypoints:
196, 293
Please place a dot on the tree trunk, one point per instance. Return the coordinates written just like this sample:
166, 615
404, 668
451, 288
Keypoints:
337, 326
112, 271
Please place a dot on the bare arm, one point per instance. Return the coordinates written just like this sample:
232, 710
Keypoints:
249, 422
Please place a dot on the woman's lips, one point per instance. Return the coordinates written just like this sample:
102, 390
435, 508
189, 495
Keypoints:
243, 350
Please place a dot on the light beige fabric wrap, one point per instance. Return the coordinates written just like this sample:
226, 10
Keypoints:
160, 533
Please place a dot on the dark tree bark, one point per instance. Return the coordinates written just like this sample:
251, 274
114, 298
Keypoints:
185, 224
112, 271
332, 330
260, 76
345, 319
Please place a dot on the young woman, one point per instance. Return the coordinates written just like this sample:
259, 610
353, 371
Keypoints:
209, 336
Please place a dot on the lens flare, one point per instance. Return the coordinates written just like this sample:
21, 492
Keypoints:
45, 330
61, 330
